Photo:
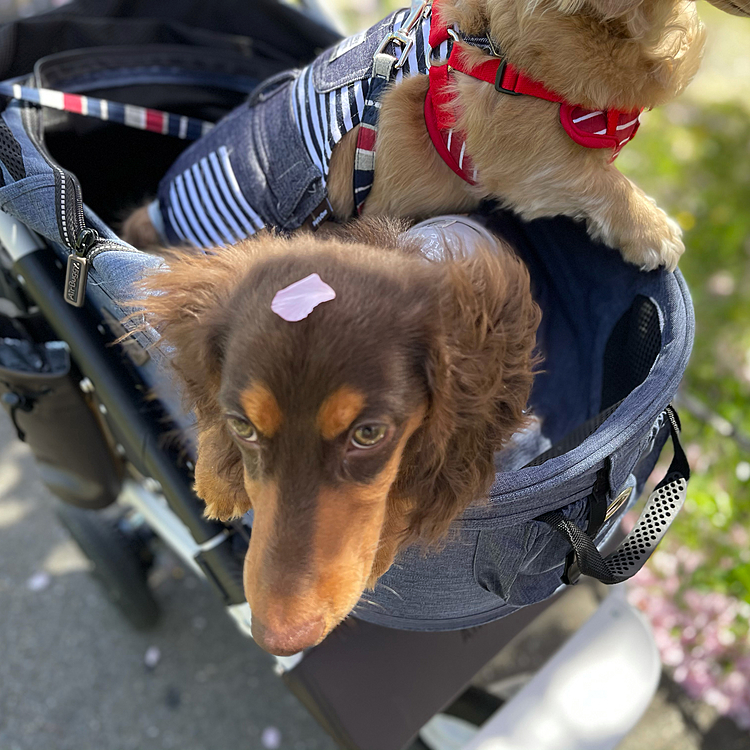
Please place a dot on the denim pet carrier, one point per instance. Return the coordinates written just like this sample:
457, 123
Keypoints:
615, 341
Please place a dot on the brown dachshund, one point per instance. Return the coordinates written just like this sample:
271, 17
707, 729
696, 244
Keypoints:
367, 426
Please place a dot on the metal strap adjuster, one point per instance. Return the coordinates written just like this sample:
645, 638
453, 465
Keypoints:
486, 43
405, 36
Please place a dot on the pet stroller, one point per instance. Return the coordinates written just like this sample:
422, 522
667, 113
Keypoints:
615, 343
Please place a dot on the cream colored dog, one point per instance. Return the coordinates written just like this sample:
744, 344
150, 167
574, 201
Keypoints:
602, 56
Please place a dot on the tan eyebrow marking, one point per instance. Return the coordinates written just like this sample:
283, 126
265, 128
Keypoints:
261, 408
339, 410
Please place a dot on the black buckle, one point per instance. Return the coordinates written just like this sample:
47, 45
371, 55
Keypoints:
499, 80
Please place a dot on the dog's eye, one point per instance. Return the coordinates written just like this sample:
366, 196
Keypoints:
367, 435
243, 429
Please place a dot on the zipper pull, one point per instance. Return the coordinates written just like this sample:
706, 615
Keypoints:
77, 271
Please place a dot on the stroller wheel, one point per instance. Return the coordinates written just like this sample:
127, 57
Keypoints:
457, 724
120, 562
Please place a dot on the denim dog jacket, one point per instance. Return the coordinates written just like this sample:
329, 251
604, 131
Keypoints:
266, 163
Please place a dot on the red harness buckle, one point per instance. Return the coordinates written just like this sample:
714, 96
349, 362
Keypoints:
589, 128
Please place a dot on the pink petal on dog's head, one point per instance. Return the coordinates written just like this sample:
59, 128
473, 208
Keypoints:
296, 301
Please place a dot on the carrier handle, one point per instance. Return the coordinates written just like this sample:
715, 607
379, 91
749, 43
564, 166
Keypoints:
660, 510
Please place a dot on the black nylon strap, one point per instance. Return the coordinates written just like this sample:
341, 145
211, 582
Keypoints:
586, 556
485, 42
598, 502
659, 512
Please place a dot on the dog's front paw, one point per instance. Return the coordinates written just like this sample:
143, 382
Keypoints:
225, 509
661, 245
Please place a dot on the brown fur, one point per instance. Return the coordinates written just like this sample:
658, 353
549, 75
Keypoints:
447, 366
219, 476
338, 411
340, 172
138, 230
601, 54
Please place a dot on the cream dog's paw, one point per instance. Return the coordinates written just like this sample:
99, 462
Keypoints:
660, 246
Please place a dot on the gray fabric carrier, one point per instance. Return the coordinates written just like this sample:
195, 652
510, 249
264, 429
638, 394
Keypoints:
615, 343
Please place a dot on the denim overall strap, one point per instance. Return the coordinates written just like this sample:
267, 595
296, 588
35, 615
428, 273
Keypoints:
364, 158
384, 70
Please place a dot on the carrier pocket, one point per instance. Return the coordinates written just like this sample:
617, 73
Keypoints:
51, 415
523, 564
292, 186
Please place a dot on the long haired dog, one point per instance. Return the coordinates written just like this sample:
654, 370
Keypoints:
523, 101
536, 156
367, 426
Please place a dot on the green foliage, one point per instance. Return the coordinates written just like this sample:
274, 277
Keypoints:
695, 160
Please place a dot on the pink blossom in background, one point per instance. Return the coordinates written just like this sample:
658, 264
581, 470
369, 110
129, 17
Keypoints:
701, 636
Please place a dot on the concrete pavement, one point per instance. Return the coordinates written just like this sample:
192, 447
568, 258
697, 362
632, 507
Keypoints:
72, 672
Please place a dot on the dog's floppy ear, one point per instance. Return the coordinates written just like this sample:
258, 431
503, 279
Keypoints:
188, 302
479, 375
219, 473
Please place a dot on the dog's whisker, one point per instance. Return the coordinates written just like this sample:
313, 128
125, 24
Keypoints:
392, 591
374, 604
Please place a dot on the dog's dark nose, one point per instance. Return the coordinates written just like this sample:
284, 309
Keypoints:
287, 640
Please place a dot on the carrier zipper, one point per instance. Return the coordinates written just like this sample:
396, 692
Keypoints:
77, 271
83, 241
85, 247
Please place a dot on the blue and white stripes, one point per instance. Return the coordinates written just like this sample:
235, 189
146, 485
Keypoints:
206, 205
324, 118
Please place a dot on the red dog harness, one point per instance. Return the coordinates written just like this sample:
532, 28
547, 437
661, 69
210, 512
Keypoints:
590, 128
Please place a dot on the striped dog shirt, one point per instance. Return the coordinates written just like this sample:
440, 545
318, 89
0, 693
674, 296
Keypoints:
266, 163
